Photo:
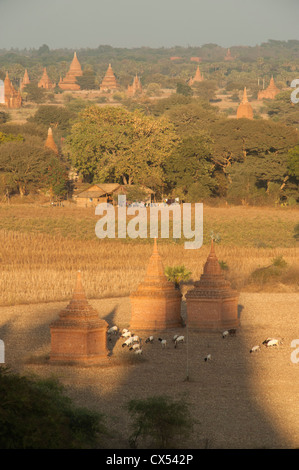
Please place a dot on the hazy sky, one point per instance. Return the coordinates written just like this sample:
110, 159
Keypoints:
153, 23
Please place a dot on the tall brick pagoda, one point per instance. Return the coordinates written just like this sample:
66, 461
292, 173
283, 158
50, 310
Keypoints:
12, 98
45, 82
212, 304
50, 143
245, 109
135, 88
70, 80
78, 336
198, 77
109, 81
25, 80
270, 92
229, 55
156, 304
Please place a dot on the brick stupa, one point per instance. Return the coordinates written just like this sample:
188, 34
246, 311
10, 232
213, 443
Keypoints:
135, 88
78, 336
70, 80
245, 109
45, 82
228, 55
270, 92
25, 80
198, 77
156, 304
50, 143
12, 98
109, 81
212, 304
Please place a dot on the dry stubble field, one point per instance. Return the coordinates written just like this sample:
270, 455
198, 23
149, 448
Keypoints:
240, 400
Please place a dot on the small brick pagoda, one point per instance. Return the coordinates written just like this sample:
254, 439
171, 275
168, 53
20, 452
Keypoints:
45, 82
50, 143
229, 55
198, 77
136, 87
212, 304
12, 98
270, 92
25, 81
245, 109
70, 80
156, 304
109, 81
78, 336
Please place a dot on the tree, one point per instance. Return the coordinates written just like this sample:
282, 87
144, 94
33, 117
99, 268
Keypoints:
159, 421
111, 144
4, 117
27, 162
57, 117
34, 93
87, 80
35, 414
184, 89
293, 162
177, 274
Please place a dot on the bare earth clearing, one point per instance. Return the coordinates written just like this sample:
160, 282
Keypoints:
240, 400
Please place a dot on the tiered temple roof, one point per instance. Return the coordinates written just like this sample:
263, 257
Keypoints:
270, 92
70, 80
45, 82
245, 109
198, 77
50, 141
109, 81
25, 81
136, 87
78, 335
156, 304
12, 97
212, 304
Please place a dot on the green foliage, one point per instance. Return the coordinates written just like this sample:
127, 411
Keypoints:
9, 137
34, 93
296, 232
35, 414
279, 262
111, 144
184, 89
136, 194
293, 162
223, 265
177, 274
87, 80
4, 117
159, 422
57, 117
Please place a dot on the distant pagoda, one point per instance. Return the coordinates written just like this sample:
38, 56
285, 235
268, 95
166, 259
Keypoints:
156, 304
136, 87
198, 77
70, 80
212, 304
12, 98
25, 80
245, 109
50, 141
109, 81
78, 336
270, 92
45, 82
228, 55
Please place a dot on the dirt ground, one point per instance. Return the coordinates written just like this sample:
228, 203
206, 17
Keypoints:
240, 400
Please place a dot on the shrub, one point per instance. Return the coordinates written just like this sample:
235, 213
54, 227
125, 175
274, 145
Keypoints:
159, 422
177, 274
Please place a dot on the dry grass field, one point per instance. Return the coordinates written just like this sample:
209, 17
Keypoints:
240, 400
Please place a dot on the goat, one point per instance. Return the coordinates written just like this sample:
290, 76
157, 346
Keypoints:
127, 334
179, 339
113, 330
272, 342
139, 351
255, 349
150, 339
135, 347
208, 358
163, 342
128, 342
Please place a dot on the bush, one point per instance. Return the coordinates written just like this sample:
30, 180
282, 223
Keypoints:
177, 274
35, 414
159, 422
